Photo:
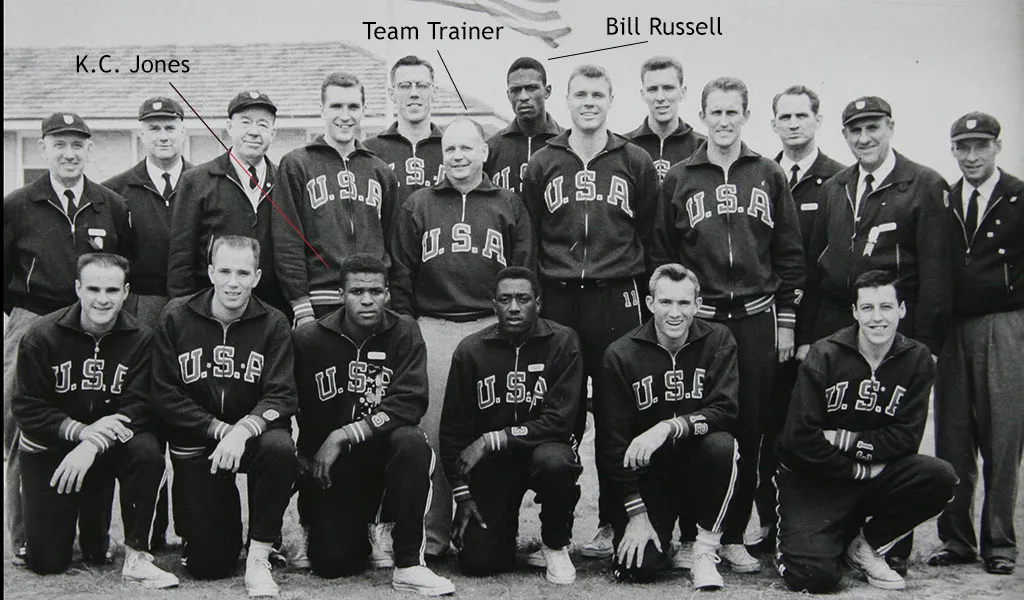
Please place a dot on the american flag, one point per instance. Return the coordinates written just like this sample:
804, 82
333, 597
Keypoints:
530, 17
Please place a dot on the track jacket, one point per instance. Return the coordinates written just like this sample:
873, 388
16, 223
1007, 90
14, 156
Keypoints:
641, 384
342, 205
367, 388
517, 396
42, 245
738, 231
988, 271
878, 416
902, 228
510, 149
416, 165
208, 376
593, 221
677, 147
448, 247
68, 379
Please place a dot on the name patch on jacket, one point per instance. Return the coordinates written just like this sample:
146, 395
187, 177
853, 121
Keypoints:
370, 381
319, 195
616, 194
868, 392
93, 377
461, 240
726, 202
675, 388
223, 366
515, 392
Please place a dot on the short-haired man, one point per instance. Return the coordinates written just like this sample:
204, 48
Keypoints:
979, 389
593, 197
509, 411
450, 241
361, 375
850, 480
83, 379
663, 134
412, 145
229, 196
796, 121
664, 412
510, 149
223, 383
341, 197
48, 224
728, 215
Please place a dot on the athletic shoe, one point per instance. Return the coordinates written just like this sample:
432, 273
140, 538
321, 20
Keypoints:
19, 555
704, 572
382, 551
943, 557
421, 580
898, 564
258, 579
683, 556
738, 559
602, 545
139, 568
559, 565
999, 565
863, 558
536, 558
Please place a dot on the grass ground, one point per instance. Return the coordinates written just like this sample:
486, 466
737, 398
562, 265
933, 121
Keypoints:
594, 577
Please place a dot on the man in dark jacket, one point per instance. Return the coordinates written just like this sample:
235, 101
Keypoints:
850, 480
980, 387
362, 384
223, 383
509, 410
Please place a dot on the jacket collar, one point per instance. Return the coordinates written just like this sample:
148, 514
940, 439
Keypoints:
647, 333
615, 141
139, 175
485, 186
199, 303
1007, 186
819, 168
550, 127
700, 156
542, 329
223, 165
319, 143
42, 191
847, 338
902, 172
645, 129
392, 132
71, 318
333, 321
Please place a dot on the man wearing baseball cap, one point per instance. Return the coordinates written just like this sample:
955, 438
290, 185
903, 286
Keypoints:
885, 212
229, 195
48, 224
979, 389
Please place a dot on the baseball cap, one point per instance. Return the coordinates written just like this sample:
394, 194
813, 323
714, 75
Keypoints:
65, 123
864, 107
160, 106
250, 98
975, 125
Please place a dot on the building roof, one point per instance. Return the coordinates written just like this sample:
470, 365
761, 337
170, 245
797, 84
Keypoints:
39, 81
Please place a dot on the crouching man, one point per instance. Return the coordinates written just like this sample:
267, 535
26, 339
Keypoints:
851, 483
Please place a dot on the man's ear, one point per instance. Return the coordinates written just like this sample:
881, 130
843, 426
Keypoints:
649, 300
256, 279
903, 309
209, 272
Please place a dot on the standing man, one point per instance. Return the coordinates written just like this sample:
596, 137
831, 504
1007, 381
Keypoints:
450, 242
851, 483
665, 408
362, 384
48, 224
341, 197
225, 196
593, 197
663, 134
796, 122
979, 389
728, 215
509, 410
83, 380
510, 149
412, 145
223, 382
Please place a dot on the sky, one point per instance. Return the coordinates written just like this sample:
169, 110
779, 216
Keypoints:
933, 60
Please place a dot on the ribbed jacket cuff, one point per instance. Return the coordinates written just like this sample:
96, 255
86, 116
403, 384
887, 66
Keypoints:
358, 432
218, 429
461, 493
496, 440
634, 505
70, 429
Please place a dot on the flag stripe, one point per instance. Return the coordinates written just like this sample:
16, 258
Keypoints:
530, 17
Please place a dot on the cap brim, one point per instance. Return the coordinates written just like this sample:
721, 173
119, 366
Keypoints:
87, 134
979, 135
267, 105
866, 115
154, 115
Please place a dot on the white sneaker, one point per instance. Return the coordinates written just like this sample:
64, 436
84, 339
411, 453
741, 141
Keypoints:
559, 565
382, 551
139, 568
704, 572
683, 556
421, 580
602, 545
862, 557
738, 559
536, 558
258, 580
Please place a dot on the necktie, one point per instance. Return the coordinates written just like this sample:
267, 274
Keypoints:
971, 220
253, 179
794, 179
72, 205
867, 190
167, 187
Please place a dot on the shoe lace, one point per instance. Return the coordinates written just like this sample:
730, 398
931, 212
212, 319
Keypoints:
712, 556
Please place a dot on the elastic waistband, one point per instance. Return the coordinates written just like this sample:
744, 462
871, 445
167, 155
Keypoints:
587, 284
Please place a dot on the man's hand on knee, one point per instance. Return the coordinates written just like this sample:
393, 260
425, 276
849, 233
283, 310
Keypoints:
71, 471
227, 456
639, 531
643, 446
465, 512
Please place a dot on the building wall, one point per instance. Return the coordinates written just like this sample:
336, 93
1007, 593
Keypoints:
10, 162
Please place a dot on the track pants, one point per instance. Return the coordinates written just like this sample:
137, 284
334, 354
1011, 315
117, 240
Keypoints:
819, 516
212, 527
498, 484
19, 322
51, 518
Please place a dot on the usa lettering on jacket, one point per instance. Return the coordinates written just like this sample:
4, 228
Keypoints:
346, 190
223, 366
461, 239
368, 380
93, 377
521, 387
868, 392
415, 172
727, 202
503, 178
585, 181
675, 388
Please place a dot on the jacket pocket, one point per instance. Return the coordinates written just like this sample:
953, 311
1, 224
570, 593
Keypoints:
28, 276
1006, 278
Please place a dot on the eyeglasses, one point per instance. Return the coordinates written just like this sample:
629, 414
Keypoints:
421, 86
